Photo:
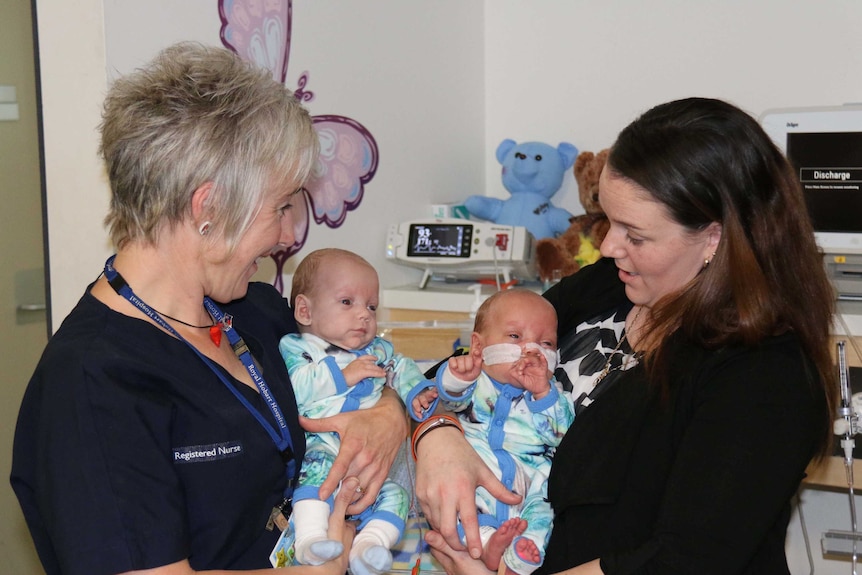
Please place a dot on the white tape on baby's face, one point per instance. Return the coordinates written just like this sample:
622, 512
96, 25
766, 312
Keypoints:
501, 353
511, 352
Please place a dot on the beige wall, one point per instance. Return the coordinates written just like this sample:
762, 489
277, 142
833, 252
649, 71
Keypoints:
24, 333
72, 61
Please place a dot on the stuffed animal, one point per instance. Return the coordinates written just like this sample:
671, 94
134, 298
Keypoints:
532, 173
579, 245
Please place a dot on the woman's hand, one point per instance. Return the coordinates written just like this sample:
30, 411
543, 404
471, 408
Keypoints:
448, 470
370, 439
339, 529
455, 562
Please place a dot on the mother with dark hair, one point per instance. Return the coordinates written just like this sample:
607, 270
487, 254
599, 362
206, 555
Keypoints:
702, 332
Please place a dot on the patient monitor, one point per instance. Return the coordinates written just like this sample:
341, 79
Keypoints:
824, 145
463, 249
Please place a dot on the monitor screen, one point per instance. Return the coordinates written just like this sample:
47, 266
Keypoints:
829, 166
439, 240
824, 144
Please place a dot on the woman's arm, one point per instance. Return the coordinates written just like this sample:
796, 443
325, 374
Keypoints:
729, 485
727, 492
448, 470
370, 439
339, 529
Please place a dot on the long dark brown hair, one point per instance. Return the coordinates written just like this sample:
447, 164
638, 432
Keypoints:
708, 161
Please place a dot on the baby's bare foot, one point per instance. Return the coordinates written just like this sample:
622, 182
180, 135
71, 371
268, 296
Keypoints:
527, 550
501, 539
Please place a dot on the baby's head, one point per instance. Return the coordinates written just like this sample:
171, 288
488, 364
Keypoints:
510, 322
335, 296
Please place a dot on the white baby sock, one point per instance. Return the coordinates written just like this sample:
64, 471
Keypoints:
370, 554
311, 522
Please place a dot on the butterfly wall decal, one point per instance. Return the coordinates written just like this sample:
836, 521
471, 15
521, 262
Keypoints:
260, 31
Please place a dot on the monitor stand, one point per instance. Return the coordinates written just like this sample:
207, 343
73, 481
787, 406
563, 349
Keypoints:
505, 271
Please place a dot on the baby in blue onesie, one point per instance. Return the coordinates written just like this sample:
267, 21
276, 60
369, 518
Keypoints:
337, 363
514, 414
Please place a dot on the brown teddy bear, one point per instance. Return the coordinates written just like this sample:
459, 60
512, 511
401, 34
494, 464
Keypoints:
579, 244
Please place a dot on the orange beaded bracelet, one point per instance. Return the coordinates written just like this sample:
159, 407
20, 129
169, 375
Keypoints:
436, 422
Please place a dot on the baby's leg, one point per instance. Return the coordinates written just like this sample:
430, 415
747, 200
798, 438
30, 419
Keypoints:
311, 522
311, 515
370, 553
382, 526
500, 540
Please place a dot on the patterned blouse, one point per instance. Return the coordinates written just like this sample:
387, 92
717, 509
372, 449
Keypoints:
590, 349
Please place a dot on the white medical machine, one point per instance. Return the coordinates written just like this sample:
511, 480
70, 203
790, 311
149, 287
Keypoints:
824, 145
459, 249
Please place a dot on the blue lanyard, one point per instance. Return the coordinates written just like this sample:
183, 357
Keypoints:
281, 437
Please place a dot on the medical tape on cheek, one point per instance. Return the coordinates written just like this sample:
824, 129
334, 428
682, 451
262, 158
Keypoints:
501, 353
510, 352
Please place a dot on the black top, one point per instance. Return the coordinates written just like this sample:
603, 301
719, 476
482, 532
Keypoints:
698, 483
130, 453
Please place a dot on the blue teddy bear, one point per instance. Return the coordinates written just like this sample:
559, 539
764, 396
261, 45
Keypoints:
532, 173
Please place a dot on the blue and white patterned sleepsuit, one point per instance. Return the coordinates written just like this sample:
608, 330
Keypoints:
315, 369
515, 435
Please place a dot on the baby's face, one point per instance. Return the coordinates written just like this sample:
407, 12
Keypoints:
518, 320
344, 305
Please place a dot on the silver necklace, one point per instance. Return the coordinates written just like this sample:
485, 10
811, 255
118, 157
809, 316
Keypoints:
624, 365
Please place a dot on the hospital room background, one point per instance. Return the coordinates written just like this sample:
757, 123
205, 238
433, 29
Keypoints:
438, 84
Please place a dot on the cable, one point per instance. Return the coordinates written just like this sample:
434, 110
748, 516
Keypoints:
497, 267
414, 509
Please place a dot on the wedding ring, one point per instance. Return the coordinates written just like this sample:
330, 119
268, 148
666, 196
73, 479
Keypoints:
360, 490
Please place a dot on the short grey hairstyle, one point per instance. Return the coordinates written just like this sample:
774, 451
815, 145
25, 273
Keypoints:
198, 114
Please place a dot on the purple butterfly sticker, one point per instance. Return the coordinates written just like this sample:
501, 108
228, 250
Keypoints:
259, 31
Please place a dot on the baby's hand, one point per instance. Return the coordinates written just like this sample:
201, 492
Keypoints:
531, 372
465, 367
360, 368
423, 401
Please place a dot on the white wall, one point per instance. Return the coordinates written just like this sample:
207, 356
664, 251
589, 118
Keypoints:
581, 70
440, 84
411, 73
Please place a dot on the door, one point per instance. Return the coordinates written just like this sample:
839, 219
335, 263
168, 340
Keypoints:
24, 331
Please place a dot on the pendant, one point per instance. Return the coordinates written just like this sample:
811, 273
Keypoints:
215, 334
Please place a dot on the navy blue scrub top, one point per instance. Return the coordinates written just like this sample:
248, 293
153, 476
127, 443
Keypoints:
130, 453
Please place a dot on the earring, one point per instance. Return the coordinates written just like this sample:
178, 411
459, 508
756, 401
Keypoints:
205, 228
707, 260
